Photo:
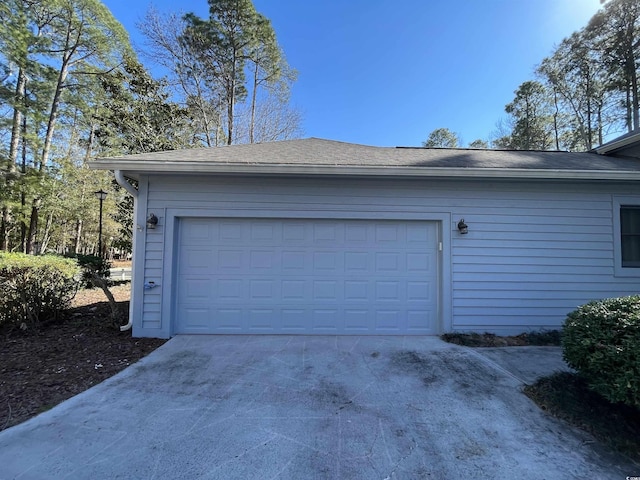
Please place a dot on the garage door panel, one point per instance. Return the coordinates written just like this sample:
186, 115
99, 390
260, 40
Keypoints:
421, 233
262, 259
195, 289
293, 260
230, 230
294, 320
355, 234
197, 259
230, 260
356, 290
389, 321
387, 291
295, 290
228, 319
306, 276
326, 320
263, 320
419, 292
388, 262
230, 290
416, 321
326, 233
294, 232
419, 262
385, 233
356, 262
196, 318
263, 232
261, 290
200, 232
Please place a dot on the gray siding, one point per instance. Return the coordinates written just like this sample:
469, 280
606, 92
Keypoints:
533, 253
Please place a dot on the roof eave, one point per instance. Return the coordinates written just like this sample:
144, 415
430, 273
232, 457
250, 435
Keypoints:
186, 168
614, 145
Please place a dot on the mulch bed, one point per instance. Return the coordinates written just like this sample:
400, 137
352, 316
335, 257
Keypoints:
567, 396
40, 369
537, 338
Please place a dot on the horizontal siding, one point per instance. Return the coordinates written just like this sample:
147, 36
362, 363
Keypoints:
153, 272
547, 262
533, 252
515, 251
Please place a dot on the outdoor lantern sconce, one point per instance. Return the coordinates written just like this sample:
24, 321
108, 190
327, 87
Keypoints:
152, 221
463, 228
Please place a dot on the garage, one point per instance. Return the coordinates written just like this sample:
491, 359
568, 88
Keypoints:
306, 276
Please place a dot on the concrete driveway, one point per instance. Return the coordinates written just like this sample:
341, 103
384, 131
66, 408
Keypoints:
297, 407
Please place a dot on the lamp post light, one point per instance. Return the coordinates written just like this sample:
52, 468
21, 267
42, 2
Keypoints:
100, 195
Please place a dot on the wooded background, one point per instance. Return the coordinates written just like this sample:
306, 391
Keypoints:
72, 88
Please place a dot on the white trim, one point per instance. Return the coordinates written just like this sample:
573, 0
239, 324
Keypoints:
186, 167
172, 216
614, 145
169, 260
139, 257
619, 270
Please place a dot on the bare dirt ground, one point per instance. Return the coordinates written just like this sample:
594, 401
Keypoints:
40, 369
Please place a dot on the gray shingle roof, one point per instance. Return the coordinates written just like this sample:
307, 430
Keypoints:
315, 152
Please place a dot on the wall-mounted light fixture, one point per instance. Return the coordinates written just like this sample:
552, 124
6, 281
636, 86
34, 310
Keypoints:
463, 228
152, 221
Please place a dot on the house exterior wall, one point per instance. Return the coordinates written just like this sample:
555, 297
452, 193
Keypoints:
534, 251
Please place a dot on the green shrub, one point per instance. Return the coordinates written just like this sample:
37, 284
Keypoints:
91, 264
35, 289
601, 340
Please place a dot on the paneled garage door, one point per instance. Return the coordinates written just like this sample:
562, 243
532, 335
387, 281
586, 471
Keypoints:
306, 276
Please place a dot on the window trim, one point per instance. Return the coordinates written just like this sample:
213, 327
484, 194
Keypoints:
618, 203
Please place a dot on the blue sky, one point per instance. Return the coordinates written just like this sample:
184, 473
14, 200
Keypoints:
387, 73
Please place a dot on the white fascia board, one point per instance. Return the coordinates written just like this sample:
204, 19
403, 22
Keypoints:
616, 144
186, 168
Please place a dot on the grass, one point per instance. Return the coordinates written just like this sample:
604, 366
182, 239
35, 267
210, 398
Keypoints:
567, 396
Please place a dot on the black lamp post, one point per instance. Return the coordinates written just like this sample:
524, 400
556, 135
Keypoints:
100, 195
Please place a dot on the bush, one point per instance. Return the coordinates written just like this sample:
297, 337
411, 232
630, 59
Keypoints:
91, 264
601, 340
35, 289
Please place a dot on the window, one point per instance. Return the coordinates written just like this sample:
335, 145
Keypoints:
626, 235
630, 236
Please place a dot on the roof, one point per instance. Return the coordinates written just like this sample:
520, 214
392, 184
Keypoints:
314, 156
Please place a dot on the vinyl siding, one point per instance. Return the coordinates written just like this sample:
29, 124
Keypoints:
533, 253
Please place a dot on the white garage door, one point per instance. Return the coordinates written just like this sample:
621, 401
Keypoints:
306, 276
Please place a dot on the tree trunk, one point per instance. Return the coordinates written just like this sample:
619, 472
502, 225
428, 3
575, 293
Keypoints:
98, 281
231, 94
92, 135
600, 139
254, 95
53, 115
76, 243
555, 119
4, 230
13, 153
230, 102
589, 140
46, 236
634, 92
203, 112
23, 195
33, 226
17, 119
628, 105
